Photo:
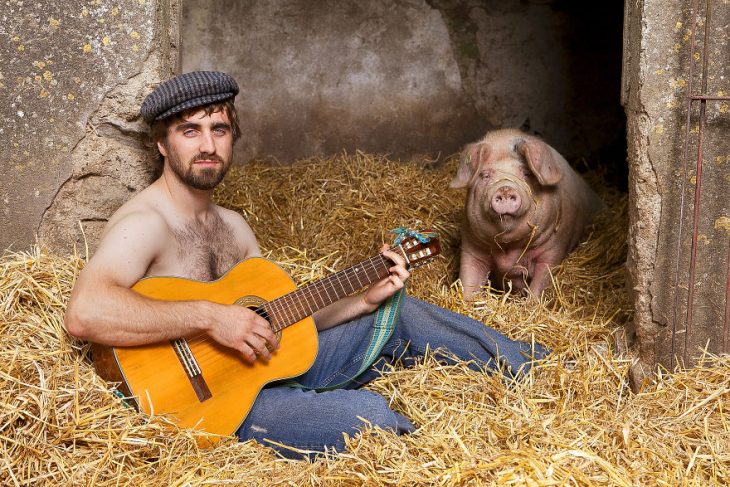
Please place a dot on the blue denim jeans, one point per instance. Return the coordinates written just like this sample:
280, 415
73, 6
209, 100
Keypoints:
309, 420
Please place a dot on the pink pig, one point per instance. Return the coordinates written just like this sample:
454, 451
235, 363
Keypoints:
526, 209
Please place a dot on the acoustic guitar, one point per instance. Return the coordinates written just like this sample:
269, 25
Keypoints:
204, 385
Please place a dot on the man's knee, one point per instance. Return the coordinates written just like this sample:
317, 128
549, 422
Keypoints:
374, 410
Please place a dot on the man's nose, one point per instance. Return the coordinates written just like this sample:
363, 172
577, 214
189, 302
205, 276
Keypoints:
207, 144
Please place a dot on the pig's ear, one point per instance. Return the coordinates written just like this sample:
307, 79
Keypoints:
542, 160
469, 161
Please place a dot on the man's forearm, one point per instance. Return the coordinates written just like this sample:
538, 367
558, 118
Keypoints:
341, 311
122, 317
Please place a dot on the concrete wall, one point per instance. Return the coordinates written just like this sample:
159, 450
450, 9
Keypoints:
71, 81
662, 190
405, 78
411, 77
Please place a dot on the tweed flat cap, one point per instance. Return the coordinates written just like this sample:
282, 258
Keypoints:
186, 91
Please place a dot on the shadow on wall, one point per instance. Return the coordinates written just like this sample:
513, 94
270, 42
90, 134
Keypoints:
413, 79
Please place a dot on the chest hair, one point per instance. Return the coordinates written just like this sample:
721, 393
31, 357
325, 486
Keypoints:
206, 250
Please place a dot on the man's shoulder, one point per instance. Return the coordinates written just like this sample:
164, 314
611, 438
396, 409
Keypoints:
134, 237
141, 212
232, 218
242, 231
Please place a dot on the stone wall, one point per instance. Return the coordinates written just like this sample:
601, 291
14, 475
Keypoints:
413, 77
73, 76
404, 78
663, 186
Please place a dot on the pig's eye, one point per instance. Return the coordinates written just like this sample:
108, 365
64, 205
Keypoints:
485, 175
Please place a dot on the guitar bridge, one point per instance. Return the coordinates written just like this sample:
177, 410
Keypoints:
192, 369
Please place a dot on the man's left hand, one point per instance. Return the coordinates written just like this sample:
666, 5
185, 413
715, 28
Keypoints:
385, 288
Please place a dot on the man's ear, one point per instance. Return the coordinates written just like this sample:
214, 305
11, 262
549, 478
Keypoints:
471, 157
161, 147
541, 159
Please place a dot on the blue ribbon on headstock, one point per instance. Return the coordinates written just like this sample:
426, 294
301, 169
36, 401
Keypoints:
403, 232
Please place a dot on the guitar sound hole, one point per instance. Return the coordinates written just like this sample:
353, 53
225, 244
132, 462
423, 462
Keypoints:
258, 306
261, 311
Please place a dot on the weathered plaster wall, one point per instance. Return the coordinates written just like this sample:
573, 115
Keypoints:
404, 78
72, 78
411, 77
662, 191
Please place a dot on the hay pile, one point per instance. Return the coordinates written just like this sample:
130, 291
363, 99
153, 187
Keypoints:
573, 421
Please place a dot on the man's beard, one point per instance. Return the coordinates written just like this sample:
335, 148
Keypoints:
203, 179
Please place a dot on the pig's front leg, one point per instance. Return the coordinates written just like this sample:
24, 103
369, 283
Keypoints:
540, 280
473, 272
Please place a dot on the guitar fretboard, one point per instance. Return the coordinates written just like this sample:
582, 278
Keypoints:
305, 301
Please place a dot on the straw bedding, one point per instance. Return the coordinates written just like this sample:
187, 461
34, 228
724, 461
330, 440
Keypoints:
572, 421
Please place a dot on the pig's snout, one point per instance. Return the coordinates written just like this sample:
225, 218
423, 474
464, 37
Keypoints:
506, 201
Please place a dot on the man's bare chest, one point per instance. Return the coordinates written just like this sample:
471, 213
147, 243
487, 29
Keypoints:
202, 251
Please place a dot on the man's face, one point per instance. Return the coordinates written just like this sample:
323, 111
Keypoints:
198, 149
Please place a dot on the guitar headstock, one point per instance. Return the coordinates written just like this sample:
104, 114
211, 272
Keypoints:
419, 249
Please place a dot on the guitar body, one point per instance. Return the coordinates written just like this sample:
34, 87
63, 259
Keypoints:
155, 377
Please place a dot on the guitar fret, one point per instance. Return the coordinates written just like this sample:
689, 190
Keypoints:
301, 303
342, 284
285, 309
337, 276
349, 281
290, 308
296, 305
293, 306
335, 294
280, 321
372, 271
385, 266
375, 270
281, 317
357, 276
331, 300
309, 304
311, 300
320, 298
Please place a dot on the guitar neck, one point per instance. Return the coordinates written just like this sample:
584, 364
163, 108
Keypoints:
307, 300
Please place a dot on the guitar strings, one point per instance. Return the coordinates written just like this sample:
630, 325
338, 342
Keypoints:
295, 298
368, 266
292, 301
280, 307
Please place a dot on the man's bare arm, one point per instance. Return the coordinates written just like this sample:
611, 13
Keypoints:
368, 301
105, 310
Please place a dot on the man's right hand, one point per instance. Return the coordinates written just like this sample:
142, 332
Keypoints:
244, 330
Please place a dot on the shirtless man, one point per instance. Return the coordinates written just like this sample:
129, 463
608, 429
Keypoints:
173, 229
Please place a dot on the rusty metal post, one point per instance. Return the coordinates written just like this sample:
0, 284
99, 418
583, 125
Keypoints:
703, 98
726, 326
